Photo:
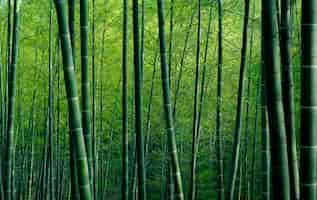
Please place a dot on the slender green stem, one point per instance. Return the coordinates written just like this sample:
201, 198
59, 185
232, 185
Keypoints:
8, 162
192, 192
280, 170
167, 106
288, 95
125, 159
75, 124
85, 84
220, 179
71, 24
138, 103
237, 133
308, 130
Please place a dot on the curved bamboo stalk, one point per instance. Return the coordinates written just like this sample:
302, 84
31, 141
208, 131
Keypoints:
75, 123
73, 172
167, 106
85, 100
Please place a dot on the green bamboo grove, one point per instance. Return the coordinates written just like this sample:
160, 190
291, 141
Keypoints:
158, 100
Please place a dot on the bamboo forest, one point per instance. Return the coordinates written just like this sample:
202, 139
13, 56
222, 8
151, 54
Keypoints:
158, 100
